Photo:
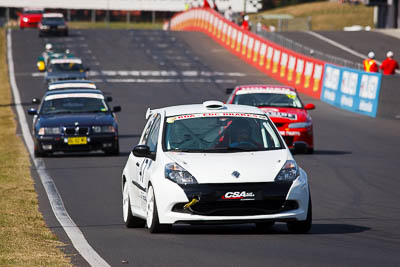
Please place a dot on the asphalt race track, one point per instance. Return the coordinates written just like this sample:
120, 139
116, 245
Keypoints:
354, 173
359, 41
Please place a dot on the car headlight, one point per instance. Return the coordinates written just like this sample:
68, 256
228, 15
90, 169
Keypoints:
288, 173
104, 129
44, 27
62, 26
49, 130
300, 125
25, 19
179, 175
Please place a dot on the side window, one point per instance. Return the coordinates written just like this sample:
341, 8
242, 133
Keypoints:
146, 130
152, 139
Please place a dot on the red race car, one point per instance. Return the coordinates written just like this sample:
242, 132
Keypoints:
30, 17
283, 106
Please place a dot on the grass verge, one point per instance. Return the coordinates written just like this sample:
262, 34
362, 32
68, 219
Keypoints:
114, 25
24, 238
326, 16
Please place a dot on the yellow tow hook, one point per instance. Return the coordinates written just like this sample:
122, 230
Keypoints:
191, 203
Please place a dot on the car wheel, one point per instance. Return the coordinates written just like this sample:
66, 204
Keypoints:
152, 215
310, 151
38, 153
130, 220
264, 225
302, 227
114, 152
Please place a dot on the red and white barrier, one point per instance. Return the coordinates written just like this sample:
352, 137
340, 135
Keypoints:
288, 67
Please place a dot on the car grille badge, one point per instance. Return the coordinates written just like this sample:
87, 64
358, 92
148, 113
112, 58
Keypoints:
235, 174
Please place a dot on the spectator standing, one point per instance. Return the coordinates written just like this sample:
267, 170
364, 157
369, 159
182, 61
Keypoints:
370, 63
245, 23
228, 13
389, 65
206, 4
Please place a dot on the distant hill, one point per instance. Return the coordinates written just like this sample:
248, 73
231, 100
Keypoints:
325, 16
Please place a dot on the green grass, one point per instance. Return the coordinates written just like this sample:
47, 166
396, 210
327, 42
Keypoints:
325, 16
24, 238
114, 25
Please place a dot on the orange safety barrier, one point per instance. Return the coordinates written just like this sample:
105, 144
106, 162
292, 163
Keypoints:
286, 66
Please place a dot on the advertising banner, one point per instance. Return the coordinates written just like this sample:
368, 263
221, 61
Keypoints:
351, 89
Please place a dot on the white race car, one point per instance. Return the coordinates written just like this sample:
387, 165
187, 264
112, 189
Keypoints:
213, 163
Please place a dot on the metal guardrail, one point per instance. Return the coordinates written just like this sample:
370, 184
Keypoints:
305, 50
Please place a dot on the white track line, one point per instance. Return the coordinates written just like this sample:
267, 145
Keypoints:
71, 229
338, 45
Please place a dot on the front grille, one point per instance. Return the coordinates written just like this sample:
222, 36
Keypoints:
238, 208
76, 130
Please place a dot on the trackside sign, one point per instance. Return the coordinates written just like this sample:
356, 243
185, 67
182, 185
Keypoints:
351, 89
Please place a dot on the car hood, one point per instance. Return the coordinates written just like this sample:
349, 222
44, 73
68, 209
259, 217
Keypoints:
83, 119
32, 17
286, 115
260, 166
64, 75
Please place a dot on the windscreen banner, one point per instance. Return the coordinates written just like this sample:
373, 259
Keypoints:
351, 89
286, 66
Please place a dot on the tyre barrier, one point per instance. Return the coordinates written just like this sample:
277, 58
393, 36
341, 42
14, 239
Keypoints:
345, 88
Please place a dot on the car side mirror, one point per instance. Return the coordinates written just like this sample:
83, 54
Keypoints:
300, 148
32, 111
309, 106
116, 109
35, 101
142, 151
109, 99
87, 69
229, 91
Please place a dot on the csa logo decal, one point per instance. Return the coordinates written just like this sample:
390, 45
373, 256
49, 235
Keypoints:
239, 195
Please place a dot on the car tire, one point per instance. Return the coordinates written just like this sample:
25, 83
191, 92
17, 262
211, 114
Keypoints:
129, 220
38, 153
114, 152
264, 225
310, 151
152, 220
302, 227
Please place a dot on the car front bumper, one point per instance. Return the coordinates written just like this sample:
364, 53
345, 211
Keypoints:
272, 202
50, 144
303, 135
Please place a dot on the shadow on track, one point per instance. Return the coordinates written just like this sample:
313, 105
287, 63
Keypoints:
277, 229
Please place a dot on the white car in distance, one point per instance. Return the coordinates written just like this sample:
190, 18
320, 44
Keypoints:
213, 163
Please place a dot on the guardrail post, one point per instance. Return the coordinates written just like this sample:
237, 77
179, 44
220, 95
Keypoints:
93, 16
153, 17
309, 23
128, 17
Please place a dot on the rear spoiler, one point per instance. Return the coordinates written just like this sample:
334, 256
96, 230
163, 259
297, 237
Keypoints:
229, 90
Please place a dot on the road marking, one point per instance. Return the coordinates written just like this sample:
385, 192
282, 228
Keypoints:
154, 80
343, 47
334, 43
71, 229
156, 73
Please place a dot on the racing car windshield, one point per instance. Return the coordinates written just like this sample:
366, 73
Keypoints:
66, 67
220, 133
268, 100
73, 105
55, 21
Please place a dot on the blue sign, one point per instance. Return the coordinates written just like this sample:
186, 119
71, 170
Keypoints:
351, 89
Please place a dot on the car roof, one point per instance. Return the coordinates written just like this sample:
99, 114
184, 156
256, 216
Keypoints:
73, 91
265, 88
207, 107
53, 15
70, 84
